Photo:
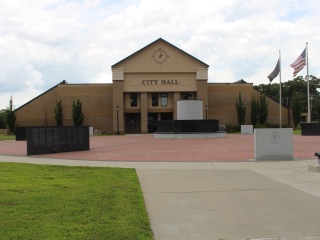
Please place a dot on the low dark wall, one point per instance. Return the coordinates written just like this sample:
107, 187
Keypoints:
44, 140
21, 133
310, 129
211, 125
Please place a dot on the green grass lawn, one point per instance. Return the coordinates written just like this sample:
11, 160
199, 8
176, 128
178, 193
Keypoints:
7, 137
61, 202
297, 131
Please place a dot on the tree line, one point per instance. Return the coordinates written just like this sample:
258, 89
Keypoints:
294, 97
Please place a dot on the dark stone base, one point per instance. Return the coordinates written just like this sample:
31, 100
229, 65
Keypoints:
187, 126
21, 133
44, 140
310, 129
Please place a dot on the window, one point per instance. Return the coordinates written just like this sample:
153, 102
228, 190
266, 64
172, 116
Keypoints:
133, 99
155, 99
164, 99
186, 96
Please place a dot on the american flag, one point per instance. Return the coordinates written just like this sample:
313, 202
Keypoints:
299, 63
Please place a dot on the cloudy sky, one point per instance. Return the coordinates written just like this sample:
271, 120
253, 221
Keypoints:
43, 42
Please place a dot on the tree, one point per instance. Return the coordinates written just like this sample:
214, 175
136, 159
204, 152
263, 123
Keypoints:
263, 108
254, 111
241, 110
77, 114
11, 117
58, 113
298, 85
3, 117
296, 109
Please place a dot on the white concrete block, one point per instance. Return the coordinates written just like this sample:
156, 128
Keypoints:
90, 131
189, 110
273, 144
246, 129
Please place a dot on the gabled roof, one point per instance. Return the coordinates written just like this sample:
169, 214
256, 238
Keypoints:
63, 82
158, 40
240, 81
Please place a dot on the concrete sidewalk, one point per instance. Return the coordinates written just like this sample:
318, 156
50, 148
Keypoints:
227, 204
223, 200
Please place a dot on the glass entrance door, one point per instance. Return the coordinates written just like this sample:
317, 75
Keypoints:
133, 122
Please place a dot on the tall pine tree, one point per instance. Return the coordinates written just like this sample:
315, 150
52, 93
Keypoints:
58, 116
77, 114
241, 110
263, 109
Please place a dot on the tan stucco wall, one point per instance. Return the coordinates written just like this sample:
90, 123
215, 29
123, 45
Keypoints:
38, 112
143, 61
222, 99
96, 102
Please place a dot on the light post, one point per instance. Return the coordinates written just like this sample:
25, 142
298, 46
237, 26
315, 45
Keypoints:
117, 107
206, 107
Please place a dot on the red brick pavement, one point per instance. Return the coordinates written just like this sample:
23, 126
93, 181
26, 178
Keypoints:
146, 148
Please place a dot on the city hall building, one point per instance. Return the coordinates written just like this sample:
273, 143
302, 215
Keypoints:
146, 87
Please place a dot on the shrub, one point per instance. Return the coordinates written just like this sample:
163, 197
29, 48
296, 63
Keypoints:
232, 128
77, 114
58, 113
296, 109
263, 109
254, 111
241, 110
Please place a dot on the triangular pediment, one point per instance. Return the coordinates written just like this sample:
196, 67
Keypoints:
160, 56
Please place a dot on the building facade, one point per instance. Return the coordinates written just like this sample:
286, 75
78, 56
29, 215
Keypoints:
145, 87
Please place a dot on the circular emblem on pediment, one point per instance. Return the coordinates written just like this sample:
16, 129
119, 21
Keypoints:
160, 56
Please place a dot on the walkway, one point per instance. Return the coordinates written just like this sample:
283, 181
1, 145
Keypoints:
145, 148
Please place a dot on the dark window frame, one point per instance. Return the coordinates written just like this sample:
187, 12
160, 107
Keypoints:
133, 99
155, 99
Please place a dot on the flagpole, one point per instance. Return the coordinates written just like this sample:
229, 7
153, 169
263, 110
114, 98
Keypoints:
308, 87
280, 88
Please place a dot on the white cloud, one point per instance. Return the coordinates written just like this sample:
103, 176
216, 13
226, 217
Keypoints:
43, 42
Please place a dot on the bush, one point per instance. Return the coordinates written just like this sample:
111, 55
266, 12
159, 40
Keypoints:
296, 109
241, 110
3, 124
11, 121
77, 114
263, 109
58, 113
232, 128
254, 111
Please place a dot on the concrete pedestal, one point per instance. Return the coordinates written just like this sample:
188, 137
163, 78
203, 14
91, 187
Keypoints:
247, 129
273, 144
90, 131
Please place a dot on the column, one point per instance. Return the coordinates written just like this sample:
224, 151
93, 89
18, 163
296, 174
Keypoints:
176, 97
144, 112
202, 88
117, 100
